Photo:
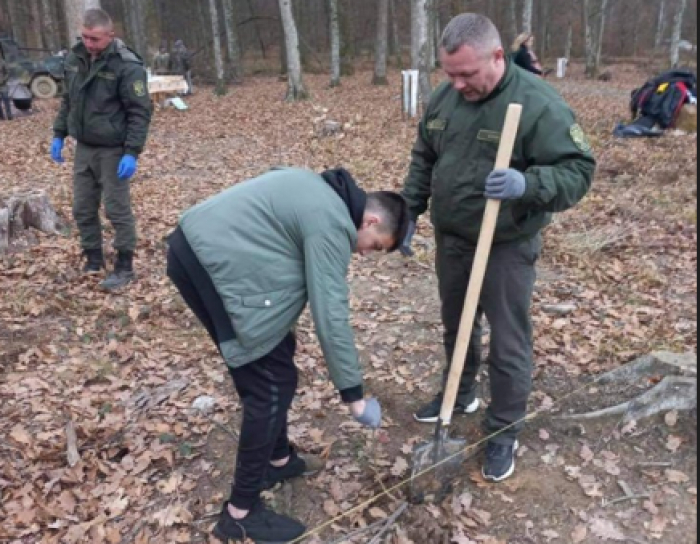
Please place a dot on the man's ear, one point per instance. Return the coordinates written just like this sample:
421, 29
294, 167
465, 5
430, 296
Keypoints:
371, 219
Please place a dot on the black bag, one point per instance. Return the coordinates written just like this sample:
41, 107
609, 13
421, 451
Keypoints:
663, 97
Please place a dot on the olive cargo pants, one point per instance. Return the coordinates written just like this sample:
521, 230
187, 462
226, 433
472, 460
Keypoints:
506, 299
95, 179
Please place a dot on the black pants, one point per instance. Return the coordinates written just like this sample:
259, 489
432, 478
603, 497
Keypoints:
266, 387
506, 299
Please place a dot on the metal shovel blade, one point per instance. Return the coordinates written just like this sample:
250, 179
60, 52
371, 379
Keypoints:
436, 466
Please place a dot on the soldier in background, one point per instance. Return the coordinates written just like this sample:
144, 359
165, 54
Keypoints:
161, 62
182, 63
5, 106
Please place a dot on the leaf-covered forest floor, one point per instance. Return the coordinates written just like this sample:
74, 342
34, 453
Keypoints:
125, 369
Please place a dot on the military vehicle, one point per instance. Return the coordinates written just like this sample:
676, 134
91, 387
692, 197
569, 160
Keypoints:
43, 77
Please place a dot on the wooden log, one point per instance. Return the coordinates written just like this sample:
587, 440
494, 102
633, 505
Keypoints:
22, 211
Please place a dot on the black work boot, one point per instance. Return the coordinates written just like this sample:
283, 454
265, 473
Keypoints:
123, 273
94, 261
261, 525
295, 468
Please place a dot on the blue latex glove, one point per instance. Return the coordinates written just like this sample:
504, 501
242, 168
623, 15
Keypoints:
405, 248
127, 167
57, 150
372, 415
508, 184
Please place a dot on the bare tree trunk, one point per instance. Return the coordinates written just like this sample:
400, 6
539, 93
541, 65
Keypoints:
251, 7
570, 32
296, 90
513, 19
50, 30
678, 33
17, 21
588, 29
380, 51
335, 43
74, 16
660, 26
422, 49
36, 39
600, 35
527, 16
218, 56
135, 18
233, 43
395, 36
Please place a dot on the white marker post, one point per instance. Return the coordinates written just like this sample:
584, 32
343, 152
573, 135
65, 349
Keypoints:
410, 92
561, 67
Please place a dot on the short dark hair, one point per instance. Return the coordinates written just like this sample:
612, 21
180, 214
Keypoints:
393, 209
97, 18
472, 29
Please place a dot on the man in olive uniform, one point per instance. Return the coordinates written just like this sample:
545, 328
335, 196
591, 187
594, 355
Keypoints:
452, 166
182, 63
161, 62
107, 109
5, 106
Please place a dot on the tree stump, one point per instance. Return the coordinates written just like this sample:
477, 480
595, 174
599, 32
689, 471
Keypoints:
22, 211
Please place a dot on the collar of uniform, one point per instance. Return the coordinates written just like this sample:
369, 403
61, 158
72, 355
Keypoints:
81, 51
505, 81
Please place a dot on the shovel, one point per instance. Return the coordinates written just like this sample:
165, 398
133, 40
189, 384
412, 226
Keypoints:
436, 464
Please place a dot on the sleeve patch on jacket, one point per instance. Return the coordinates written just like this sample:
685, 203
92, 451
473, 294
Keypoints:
140, 88
580, 139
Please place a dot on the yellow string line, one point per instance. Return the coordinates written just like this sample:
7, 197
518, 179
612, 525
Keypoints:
388, 492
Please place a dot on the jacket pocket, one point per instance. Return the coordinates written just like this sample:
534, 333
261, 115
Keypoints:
261, 317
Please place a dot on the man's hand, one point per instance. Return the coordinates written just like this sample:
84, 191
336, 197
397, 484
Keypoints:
405, 248
506, 184
57, 150
127, 167
367, 412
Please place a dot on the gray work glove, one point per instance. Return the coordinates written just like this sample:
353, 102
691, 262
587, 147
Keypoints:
371, 415
508, 184
405, 248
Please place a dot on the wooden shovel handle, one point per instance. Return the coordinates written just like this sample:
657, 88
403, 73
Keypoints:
476, 282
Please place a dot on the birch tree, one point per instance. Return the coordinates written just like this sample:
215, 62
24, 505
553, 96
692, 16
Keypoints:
513, 19
660, 26
220, 89
594, 19
381, 47
335, 42
232, 43
296, 90
527, 16
421, 48
678, 33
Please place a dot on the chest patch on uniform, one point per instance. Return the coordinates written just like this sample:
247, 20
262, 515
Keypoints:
489, 136
140, 88
70, 68
111, 76
437, 124
580, 139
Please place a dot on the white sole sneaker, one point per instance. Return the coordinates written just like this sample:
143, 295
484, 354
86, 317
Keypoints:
471, 409
508, 474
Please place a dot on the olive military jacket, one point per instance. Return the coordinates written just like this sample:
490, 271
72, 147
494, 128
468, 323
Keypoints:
106, 101
456, 151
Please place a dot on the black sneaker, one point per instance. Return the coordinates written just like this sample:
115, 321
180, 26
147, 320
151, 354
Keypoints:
430, 413
296, 468
261, 525
500, 461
